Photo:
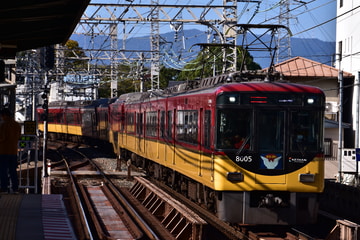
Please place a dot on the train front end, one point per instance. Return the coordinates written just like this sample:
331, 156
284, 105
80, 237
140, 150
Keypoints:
269, 137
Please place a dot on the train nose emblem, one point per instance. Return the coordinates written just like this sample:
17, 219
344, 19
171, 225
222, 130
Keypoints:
271, 161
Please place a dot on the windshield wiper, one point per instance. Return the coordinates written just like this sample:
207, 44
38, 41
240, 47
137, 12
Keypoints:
241, 148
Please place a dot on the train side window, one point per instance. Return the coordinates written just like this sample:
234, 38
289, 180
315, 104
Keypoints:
78, 118
130, 121
70, 118
162, 124
140, 124
170, 124
120, 119
50, 117
58, 117
187, 126
151, 124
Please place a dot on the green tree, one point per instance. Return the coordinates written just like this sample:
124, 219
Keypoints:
210, 61
167, 75
75, 57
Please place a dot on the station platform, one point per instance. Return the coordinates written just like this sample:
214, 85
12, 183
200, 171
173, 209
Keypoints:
34, 216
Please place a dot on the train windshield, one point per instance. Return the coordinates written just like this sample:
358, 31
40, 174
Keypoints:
274, 130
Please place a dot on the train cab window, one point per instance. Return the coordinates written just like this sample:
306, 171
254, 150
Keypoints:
305, 130
234, 127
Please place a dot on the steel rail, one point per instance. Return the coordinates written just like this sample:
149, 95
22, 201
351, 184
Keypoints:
88, 233
142, 223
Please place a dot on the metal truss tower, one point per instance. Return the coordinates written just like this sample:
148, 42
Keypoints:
155, 45
284, 41
113, 62
222, 17
230, 35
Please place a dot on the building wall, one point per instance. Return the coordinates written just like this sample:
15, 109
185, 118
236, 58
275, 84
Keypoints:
347, 35
348, 43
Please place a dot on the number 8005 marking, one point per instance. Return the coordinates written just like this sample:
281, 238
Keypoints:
243, 159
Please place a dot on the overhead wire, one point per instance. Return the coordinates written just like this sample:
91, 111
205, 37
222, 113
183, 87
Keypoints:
272, 7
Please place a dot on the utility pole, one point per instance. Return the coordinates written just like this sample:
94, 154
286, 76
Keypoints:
340, 78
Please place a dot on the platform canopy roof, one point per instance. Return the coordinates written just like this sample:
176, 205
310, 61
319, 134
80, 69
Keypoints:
30, 24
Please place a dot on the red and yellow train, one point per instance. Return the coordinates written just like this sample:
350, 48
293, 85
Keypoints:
250, 151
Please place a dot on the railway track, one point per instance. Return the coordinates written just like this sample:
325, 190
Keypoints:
160, 212
100, 213
99, 194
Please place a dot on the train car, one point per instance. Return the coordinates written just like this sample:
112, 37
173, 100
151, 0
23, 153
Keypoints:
55, 118
81, 121
250, 151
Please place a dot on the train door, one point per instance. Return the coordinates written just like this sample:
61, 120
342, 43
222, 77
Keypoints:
271, 143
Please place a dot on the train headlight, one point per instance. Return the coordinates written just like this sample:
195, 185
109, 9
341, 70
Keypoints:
310, 101
235, 176
306, 178
232, 99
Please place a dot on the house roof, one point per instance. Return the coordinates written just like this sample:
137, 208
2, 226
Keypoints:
29, 24
302, 67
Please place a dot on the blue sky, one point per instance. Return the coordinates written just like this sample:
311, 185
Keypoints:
306, 20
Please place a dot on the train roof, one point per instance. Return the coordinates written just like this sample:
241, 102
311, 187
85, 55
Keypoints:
85, 103
223, 83
268, 87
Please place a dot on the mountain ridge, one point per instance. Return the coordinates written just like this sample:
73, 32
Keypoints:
310, 48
